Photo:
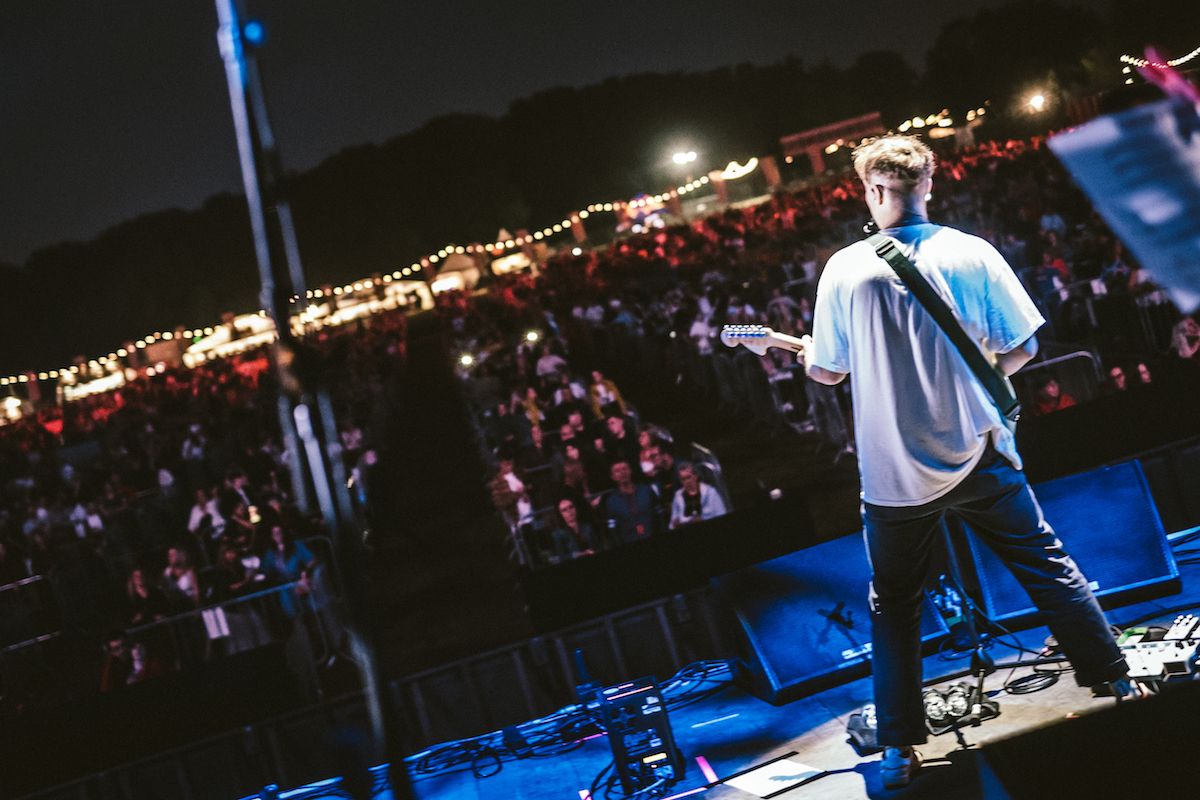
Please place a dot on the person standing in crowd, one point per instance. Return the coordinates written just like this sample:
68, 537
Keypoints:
606, 397
1185, 345
180, 580
288, 561
549, 364
630, 507
573, 537
696, 500
1049, 397
907, 373
619, 443
147, 603
1117, 381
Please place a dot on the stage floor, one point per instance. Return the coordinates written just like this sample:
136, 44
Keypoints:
733, 731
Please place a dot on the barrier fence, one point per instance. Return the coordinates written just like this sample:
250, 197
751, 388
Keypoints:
481, 694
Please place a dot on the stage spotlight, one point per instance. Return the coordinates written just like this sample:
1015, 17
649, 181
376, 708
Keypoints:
532, 336
467, 360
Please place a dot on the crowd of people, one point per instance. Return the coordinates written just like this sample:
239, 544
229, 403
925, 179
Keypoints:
175, 493
654, 303
657, 300
576, 468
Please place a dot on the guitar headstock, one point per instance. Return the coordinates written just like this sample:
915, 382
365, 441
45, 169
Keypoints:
756, 338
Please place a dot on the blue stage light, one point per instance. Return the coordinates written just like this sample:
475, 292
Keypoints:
254, 32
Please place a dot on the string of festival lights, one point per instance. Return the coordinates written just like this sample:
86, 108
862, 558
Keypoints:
732, 172
1174, 62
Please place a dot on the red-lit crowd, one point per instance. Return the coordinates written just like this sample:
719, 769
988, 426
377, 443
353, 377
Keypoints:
172, 493
662, 295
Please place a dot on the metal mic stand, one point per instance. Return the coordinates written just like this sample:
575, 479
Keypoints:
982, 664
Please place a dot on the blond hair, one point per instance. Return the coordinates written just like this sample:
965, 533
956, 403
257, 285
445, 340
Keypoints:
905, 159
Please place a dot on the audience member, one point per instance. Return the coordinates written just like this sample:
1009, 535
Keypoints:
179, 579
695, 500
573, 537
147, 603
1116, 380
630, 507
1049, 397
606, 397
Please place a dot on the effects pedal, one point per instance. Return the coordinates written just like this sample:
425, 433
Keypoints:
1182, 628
635, 716
1160, 660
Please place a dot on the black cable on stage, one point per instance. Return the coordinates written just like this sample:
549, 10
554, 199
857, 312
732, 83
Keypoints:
560, 732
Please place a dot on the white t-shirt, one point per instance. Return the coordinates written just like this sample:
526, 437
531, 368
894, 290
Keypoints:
921, 417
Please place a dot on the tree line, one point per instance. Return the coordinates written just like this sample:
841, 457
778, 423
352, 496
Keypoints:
460, 178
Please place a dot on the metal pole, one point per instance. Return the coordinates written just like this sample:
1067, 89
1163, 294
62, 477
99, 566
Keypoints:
298, 367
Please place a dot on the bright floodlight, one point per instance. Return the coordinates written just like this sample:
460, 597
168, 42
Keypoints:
576, 251
684, 158
467, 360
1037, 101
532, 336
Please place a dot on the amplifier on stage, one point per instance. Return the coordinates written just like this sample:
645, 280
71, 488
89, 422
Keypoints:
635, 716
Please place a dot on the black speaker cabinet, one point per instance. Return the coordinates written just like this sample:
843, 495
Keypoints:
1107, 520
805, 622
1138, 749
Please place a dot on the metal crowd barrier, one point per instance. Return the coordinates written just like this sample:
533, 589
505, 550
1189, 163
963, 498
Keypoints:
483, 693
27, 611
231, 627
1078, 375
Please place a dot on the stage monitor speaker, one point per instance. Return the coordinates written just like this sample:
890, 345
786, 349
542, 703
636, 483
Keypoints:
1107, 520
805, 622
1138, 749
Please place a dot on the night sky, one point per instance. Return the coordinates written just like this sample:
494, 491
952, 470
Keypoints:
113, 109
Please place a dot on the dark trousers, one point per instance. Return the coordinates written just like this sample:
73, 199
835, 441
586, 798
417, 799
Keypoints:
997, 503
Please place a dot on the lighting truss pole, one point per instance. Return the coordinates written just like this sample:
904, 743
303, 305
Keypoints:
301, 377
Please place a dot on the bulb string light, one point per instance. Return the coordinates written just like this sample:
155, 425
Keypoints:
1174, 62
412, 271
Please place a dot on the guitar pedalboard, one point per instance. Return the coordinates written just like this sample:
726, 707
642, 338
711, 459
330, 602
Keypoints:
1171, 657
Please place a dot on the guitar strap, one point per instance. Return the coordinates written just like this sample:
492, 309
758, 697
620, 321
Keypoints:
996, 386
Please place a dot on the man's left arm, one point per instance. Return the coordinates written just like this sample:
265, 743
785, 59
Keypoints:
1011, 317
1019, 356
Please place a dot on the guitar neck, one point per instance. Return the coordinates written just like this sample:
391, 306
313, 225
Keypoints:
781, 340
757, 338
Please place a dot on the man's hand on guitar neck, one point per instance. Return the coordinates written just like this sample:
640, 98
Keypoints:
818, 374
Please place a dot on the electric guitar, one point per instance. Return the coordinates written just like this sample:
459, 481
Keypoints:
759, 338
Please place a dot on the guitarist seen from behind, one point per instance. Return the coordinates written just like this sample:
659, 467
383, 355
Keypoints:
929, 438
